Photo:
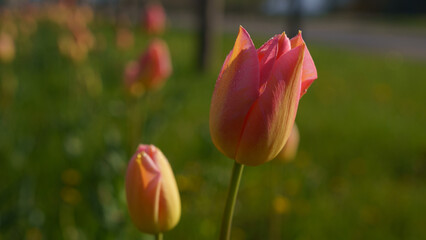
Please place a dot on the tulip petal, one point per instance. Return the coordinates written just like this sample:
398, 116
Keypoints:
169, 209
164, 66
225, 64
237, 88
143, 190
284, 44
267, 55
271, 118
152, 193
309, 69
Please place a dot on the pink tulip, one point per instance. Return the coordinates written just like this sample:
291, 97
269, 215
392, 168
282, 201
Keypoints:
153, 68
256, 96
152, 193
154, 19
155, 64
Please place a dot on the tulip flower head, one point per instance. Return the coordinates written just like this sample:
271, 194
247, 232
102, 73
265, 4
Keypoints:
152, 193
289, 151
124, 38
256, 96
154, 19
153, 68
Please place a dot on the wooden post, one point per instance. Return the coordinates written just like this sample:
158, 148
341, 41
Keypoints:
210, 15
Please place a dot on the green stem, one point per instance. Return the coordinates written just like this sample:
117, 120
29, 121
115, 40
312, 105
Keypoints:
158, 236
225, 232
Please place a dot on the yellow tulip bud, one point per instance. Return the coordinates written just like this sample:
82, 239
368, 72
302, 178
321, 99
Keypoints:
152, 193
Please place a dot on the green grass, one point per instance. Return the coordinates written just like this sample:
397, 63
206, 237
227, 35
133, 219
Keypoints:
360, 172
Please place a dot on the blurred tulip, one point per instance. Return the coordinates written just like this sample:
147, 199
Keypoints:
58, 13
154, 20
27, 20
84, 13
124, 38
28, 26
131, 71
289, 151
152, 193
69, 46
256, 96
84, 38
8, 24
78, 45
7, 47
154, 67
155, 64
65, 42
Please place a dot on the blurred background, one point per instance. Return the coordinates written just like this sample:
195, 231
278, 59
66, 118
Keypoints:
69, 125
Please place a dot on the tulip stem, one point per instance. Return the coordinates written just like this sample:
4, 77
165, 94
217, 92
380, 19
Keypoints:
159, 236
225, 232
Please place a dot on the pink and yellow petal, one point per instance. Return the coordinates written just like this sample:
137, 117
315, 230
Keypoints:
267, 55
142, 188
235, 92
271, 118
284, 44
169, 210
309, 69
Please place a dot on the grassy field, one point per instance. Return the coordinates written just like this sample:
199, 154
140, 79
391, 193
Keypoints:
66, 132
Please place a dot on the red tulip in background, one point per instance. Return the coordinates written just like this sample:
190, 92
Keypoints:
256, 96
154, 19
153, 68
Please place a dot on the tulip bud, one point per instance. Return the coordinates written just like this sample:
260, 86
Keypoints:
256, 96
155, 64
154, 19
152, 193
154, 67
289, 151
